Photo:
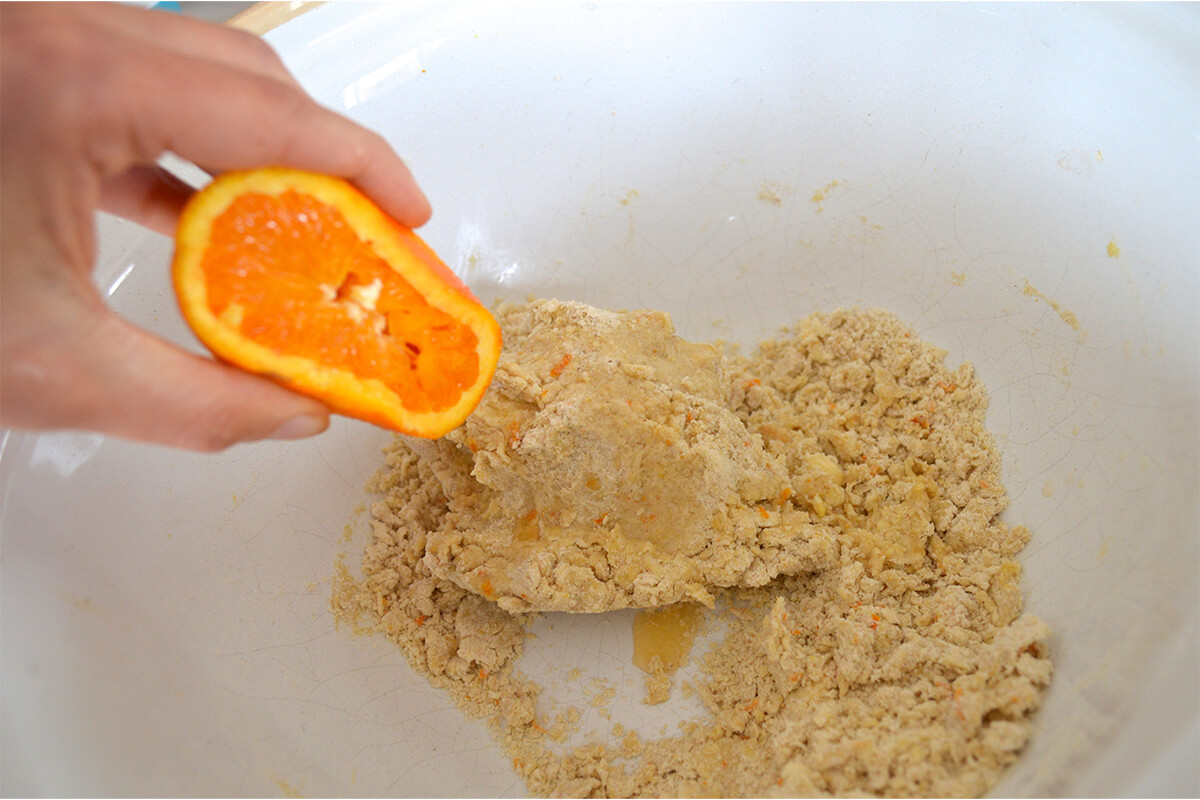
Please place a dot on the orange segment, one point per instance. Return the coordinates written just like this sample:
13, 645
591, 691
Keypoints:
299, 277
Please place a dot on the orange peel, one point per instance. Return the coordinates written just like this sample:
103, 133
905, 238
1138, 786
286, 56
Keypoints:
298, 277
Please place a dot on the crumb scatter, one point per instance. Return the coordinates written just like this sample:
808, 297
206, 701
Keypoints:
898, 661
604, 469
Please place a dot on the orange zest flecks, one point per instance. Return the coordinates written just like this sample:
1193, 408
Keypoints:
558, 368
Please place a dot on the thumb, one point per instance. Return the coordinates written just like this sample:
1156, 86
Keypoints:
118, 379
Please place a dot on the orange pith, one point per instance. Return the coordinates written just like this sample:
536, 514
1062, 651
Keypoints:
300, 278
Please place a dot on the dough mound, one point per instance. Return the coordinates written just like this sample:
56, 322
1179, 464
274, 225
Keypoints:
604, 469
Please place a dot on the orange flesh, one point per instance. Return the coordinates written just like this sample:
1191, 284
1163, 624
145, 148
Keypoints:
301, 283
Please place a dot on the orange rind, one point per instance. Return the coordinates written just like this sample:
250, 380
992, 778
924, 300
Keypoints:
300, 278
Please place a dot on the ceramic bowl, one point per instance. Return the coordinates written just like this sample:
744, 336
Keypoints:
1017, 182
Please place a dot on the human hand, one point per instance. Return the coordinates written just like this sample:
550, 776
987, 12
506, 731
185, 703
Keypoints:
90, 97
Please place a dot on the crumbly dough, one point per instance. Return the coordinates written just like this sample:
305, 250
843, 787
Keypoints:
902, 667
603, 469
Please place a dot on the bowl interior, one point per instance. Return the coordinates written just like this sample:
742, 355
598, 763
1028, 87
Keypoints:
995, 175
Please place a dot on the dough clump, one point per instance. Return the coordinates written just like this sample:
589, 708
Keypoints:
604, 469
905, 666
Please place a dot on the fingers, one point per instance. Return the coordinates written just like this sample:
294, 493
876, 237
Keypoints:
111, 377
224, 117
213, 95
149, 196
242, 123
193, 38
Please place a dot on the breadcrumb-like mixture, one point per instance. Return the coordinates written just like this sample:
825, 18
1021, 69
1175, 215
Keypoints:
901, 666
605, 469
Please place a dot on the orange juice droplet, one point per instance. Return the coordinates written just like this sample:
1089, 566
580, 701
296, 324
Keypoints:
666, 632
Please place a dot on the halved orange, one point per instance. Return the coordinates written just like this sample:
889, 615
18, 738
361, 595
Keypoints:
299, 277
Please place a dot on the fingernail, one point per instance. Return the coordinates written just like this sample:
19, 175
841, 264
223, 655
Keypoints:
300, 427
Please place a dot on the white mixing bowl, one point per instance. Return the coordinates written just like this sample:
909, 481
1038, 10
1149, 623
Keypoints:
1019, 182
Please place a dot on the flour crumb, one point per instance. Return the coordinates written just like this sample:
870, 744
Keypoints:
902, 665
773, 193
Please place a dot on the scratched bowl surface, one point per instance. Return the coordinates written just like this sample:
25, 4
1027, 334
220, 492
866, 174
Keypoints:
1018, 182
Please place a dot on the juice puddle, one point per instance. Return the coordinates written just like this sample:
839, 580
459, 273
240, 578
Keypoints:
667, 633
